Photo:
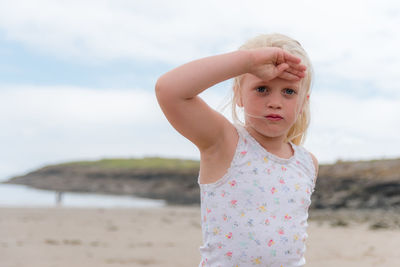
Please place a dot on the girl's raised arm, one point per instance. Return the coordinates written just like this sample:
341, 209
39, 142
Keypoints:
177, 93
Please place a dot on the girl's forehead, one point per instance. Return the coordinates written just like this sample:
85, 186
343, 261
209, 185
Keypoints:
252, 80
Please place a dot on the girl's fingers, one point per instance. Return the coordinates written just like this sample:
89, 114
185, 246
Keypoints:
299, 73
293, 61
282, 67
299, 67
291, 58
289, 76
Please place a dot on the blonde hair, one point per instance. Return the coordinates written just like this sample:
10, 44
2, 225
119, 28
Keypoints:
297, 132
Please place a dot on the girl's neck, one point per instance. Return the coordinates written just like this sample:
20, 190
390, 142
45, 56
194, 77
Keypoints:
274, 145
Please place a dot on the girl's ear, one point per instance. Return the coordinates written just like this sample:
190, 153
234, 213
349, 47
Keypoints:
306, 99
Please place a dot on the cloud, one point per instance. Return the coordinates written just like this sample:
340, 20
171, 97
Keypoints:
345, 40
351, 128
124, 28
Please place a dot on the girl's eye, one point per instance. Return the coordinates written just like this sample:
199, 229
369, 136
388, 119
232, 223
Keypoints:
290, 91
261, 89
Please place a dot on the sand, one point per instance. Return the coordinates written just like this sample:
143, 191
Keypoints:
168, 237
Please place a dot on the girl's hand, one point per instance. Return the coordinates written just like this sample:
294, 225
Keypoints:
271, 62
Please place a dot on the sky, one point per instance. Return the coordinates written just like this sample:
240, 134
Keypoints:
77, 77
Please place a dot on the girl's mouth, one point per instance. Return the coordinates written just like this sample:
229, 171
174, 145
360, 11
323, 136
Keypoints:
273, 118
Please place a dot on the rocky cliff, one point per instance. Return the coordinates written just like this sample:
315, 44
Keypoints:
344, 185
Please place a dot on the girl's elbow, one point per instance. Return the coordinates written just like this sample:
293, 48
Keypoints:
163, 91
159, 86
163, 87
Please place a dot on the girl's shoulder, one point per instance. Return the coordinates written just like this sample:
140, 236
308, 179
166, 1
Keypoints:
314, 160
316, 165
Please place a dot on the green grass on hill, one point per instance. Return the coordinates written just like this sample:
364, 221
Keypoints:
143, 163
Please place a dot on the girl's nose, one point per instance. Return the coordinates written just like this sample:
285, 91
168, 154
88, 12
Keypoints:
274, 101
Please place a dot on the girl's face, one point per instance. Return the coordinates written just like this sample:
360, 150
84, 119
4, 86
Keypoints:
262, 101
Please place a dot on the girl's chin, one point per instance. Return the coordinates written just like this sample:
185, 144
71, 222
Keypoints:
268, 132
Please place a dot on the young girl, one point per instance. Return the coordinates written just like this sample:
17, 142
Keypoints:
256, 179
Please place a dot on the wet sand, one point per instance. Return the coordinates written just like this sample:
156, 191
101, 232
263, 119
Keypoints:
168, 237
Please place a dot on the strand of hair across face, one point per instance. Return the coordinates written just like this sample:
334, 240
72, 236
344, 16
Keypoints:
254, 116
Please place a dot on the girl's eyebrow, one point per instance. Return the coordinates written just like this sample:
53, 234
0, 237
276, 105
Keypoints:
293, 86
288, 84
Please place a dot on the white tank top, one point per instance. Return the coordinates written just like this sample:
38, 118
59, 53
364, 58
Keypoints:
256, 214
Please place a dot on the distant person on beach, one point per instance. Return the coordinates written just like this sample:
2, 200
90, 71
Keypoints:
59, 196
256, 178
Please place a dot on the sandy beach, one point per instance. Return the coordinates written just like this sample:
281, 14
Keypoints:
168, 237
